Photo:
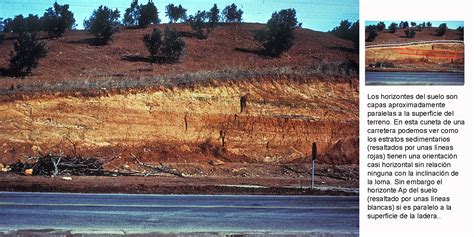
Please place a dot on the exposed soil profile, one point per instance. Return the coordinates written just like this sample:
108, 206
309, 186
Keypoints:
426, 52
222, 112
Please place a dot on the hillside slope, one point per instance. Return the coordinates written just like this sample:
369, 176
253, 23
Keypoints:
426, 34
221, 103
229, 47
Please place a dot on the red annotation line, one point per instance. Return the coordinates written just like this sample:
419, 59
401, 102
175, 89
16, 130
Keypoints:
430, 53
429, 50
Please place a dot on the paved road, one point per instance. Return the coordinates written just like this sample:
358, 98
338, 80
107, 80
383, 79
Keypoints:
123, 213
414, 78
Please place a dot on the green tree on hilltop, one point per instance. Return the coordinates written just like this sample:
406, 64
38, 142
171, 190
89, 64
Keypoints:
130, 18
148, 14
441, 30
103, 23
58, 19
28, 52
278, 34
213, 16
231, 14
164, 49
392, 28
174, 13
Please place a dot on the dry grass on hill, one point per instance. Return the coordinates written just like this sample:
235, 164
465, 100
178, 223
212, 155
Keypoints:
229, 47
427, 34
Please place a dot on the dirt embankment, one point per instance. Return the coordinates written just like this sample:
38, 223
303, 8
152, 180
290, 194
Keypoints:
223, 110
427, 51
175, 185
275, 120
419, 57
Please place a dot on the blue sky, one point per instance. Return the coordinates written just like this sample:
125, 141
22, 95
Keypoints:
321, 15
450, 24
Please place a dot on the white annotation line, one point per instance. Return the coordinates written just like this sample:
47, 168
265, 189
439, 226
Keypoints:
415, 43
170, 206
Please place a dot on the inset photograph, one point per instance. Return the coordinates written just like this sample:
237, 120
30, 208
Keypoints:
414, 52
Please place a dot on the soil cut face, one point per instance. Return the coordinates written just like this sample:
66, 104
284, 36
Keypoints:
224, 111
425, 52
443, 57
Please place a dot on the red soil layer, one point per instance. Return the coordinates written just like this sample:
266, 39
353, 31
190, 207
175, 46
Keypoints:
430, 53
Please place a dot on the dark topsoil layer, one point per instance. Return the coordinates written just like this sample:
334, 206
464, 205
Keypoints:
177, 185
